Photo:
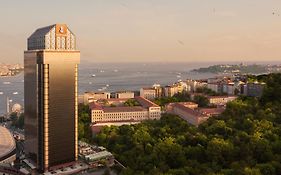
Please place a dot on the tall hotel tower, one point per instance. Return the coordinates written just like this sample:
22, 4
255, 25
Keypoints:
50, 93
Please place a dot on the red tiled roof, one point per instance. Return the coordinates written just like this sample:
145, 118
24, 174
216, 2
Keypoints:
200, 112
94, 93
122, 92
123, 109
188, 110
117, 99
187, 103
95, 106
96, 129
212, 97
211, 111
145, 103
149, 88
119, 121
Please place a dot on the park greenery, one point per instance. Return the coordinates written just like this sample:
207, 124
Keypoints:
201, 100
179, 97
131, 102
245, 139
84, 122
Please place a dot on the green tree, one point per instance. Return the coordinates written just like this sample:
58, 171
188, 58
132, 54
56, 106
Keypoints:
84, 121
131, 102
142, 137
201, 100
220, 150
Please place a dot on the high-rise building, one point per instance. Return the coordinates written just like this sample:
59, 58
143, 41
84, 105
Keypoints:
51, 110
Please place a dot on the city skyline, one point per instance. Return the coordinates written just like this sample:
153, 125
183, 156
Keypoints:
134, 31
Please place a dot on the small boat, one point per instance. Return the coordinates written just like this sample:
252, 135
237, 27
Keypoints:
178, 76
90, 83
6, 82
1, 93
115, 70
15, 93
101, 71
94, 75
107, 85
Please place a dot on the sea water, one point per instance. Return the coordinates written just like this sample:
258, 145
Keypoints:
110, 77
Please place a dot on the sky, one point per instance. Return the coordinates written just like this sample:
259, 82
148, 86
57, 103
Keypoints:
150, 30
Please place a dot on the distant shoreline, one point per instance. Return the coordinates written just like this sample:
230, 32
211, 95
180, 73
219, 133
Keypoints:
8, 76
239, 69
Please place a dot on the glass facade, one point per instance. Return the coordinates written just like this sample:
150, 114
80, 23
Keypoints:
51, 107
61, 113
50, 81
31, 108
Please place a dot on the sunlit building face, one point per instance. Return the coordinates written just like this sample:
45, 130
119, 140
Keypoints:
51, 112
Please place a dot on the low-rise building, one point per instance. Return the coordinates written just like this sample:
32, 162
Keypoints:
216, 87
190, 112
221, 100
148, 93
182, 87
95, 155
214, 80
228, 89
158, 90
170, 91
211, 111
124, 94
113, 102
193, 95
108, 114
89, 97
194, 84
255, 89
169, 107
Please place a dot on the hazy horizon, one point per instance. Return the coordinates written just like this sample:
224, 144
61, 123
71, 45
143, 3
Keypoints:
85, 61
150, 30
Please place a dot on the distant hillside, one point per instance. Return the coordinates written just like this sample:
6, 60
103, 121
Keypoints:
240, 68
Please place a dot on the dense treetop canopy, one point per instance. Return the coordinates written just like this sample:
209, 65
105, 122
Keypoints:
245, 139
